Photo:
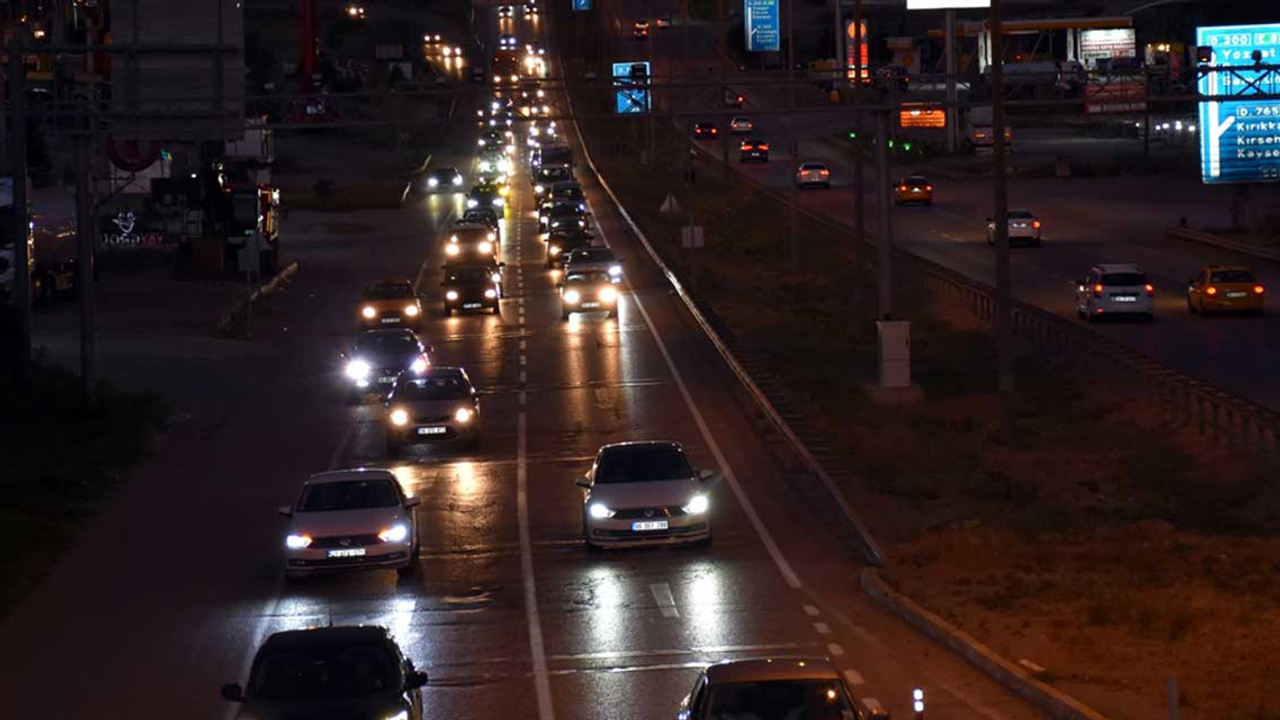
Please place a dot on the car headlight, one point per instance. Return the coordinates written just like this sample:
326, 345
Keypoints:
615, 271
399, 417
542, 218
457, 179
402, 715
463, 415
452, 250
419, 365
698, 505
491, 293
572, 297
496, 277
608, 295
600, 511
497, 202
358, 369
493, 236
472, 202
539, 189
297, 542
411, 310
396, 533
368, 312
554, 250
432, 182
486, 247
451, 295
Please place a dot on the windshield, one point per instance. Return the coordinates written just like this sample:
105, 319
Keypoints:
1124, 279
445, 172
553, 173
642, 463
780, 700
921, 181
1231, 276
588, 277
442, 387
813, 166
388, 291
593, 255
299, 674
348, 495
470, 235
383, 344
471, 275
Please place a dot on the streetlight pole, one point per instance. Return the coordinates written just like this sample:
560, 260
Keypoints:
793, 150
1004, 290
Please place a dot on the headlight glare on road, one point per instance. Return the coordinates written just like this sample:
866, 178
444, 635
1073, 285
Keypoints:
297, 542
463, 415
396, 533
411, 310
399, 417
358, 369
572, 297
608, 295
368, 312
697, 505
419, 365
486, 247
491, 293
600, 511
451, 295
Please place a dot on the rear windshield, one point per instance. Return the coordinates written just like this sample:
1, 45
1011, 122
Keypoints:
442, 387
1231, 276
299, 674
1122, 279
923, 181
813, 166
380, 343
348, 495
388, 292
642, 463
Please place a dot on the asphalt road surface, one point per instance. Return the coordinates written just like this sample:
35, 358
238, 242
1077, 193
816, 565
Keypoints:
169, 593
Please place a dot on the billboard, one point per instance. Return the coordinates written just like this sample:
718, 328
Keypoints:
850, 59
947, 4
1106, 44
1240, 139
760, 23
1115, 94
920, 115
632, 82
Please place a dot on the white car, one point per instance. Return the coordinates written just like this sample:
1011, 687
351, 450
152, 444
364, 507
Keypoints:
1024, 227
813, 174
645, 493
1115, 289
741, 126
349, 520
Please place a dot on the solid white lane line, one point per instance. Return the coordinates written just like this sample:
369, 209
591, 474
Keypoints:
523, 360
835, 649
524, 345
541, 681
666, 602
812, 611
524, 397
822, 628
523, 377
854, 678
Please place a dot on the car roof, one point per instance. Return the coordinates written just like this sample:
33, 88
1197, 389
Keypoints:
332, 476
328, 637
770, 669
1120, 268
637, 443
1228, 267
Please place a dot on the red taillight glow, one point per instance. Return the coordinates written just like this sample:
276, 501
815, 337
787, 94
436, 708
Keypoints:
1258, 289
1097, 291
1211, 290
763, 147
1035, 224
746, 146
825, 173
928, 188
903, 188
1151, 290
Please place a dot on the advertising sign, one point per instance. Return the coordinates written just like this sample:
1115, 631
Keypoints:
1115, 94
922, 116
850, 59
582, 5
632, 82
1106, 44
760, 23
947, 4
1240, 139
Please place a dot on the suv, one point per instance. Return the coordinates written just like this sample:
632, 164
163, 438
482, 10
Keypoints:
308, 673
1115, 289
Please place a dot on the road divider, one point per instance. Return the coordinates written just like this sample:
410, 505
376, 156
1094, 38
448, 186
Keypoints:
235, 320
1204, 238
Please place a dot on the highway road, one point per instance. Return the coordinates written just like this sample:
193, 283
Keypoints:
1086, 220
169, 592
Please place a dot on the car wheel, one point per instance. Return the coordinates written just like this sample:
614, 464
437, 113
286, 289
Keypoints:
410, 568
497, 310
611, 314
1191, 308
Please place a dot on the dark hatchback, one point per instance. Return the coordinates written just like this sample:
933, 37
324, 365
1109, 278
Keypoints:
475, 287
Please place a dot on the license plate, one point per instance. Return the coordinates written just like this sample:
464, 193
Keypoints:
915, 189
1124, 298
591, 304
433, 430
347, 552
390, 321
387, 379
649, 525
470, 306
1236, 294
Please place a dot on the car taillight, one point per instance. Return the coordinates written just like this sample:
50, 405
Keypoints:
763, 147
1097, 291
903, 188
1151, 290
1211, 290
824, 172
928, 188
1035, 224
1258, 289
746, 146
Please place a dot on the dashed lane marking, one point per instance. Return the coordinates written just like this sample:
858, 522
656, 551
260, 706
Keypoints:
666, 602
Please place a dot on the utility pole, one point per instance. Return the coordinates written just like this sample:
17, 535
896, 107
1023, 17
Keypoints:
85, 237
21, 222
1004, 290
859, 166
884, 229
793, 150
953, 109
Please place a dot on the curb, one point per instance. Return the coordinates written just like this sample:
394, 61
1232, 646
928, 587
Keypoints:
1013, 678
870, 547
237, 312
1180, 233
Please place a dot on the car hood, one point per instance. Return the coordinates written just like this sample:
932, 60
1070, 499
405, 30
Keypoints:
646, 494
435, 408
385, 360
369, 707
346, 522
393, 304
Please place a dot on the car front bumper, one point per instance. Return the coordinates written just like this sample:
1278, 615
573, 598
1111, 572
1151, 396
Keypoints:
310, 561
431, 432
619, 533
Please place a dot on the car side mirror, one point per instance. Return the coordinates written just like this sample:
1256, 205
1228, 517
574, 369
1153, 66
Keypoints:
231, 692
412, 502
285, 510
583, 482
415, 679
